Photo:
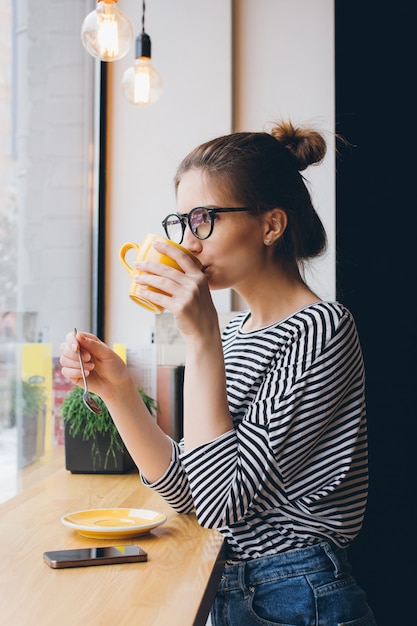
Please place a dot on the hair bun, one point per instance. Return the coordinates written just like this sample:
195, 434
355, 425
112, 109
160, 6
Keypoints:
307, 146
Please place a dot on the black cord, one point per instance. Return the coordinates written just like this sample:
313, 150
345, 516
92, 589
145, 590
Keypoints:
143, 16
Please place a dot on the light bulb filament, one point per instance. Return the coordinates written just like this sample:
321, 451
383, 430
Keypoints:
108, 36
142, 86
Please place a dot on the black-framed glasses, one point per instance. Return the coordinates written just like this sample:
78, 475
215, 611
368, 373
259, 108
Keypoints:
200, 220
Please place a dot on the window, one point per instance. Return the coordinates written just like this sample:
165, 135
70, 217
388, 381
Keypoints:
47, 213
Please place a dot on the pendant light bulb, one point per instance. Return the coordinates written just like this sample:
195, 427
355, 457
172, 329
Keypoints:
107, 33
142, 83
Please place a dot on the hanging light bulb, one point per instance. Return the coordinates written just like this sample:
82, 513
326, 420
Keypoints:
107, 33
142, 83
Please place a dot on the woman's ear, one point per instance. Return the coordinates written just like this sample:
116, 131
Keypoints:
276, 221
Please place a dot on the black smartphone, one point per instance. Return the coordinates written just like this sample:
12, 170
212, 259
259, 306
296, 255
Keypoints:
83, 557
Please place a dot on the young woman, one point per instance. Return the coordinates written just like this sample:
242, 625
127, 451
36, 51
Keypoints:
274, 453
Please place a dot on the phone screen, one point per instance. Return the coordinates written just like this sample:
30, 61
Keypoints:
83, 557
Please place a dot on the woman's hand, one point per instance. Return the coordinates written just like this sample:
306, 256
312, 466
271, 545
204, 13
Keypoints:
109, 378
103, 367
206, 411
188, 296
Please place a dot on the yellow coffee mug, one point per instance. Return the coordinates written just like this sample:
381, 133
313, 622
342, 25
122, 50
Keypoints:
146, 252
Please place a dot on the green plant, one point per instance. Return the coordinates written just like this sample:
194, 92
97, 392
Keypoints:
27, 397
82, 422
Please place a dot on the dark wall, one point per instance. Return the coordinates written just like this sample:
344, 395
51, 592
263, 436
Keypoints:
376, 261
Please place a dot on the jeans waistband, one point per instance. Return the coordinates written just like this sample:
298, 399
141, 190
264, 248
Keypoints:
290, 563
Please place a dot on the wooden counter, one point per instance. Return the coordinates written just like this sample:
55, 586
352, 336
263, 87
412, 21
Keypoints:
175, 587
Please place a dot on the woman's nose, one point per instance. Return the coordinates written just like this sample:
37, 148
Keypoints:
190, 242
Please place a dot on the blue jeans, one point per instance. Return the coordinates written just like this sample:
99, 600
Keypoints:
306, 587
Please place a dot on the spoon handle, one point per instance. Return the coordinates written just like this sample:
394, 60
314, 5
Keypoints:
81, 363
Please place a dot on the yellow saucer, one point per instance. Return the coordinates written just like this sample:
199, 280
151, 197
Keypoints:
113, 523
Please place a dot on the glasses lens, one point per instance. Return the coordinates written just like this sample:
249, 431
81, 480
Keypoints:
173, 228
200, 223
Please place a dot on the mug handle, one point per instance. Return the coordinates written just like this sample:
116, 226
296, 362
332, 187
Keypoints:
123, 251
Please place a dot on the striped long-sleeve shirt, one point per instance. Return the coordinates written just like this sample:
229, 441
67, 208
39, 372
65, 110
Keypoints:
293, 470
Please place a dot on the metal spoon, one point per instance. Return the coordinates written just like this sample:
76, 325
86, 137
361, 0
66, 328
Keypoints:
88, 400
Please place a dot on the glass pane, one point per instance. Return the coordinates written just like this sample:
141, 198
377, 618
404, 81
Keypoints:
47, 218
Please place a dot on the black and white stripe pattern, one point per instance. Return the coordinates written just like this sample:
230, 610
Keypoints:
293, 470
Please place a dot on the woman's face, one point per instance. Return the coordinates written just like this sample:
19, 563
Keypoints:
234, 254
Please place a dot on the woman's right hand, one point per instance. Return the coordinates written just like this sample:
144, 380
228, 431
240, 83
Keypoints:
105, 370
185, 293
109, 378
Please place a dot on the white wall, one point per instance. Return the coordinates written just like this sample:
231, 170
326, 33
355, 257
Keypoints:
285, 70
283, 67
191, 48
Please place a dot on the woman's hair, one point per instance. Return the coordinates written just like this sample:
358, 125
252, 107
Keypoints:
262, 171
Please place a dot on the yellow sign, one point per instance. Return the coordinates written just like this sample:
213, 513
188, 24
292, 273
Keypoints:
36, 365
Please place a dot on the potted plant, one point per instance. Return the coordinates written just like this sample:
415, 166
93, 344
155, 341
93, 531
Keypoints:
27, 401
92, 442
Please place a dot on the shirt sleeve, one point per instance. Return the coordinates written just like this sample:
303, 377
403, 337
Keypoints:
174, 486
